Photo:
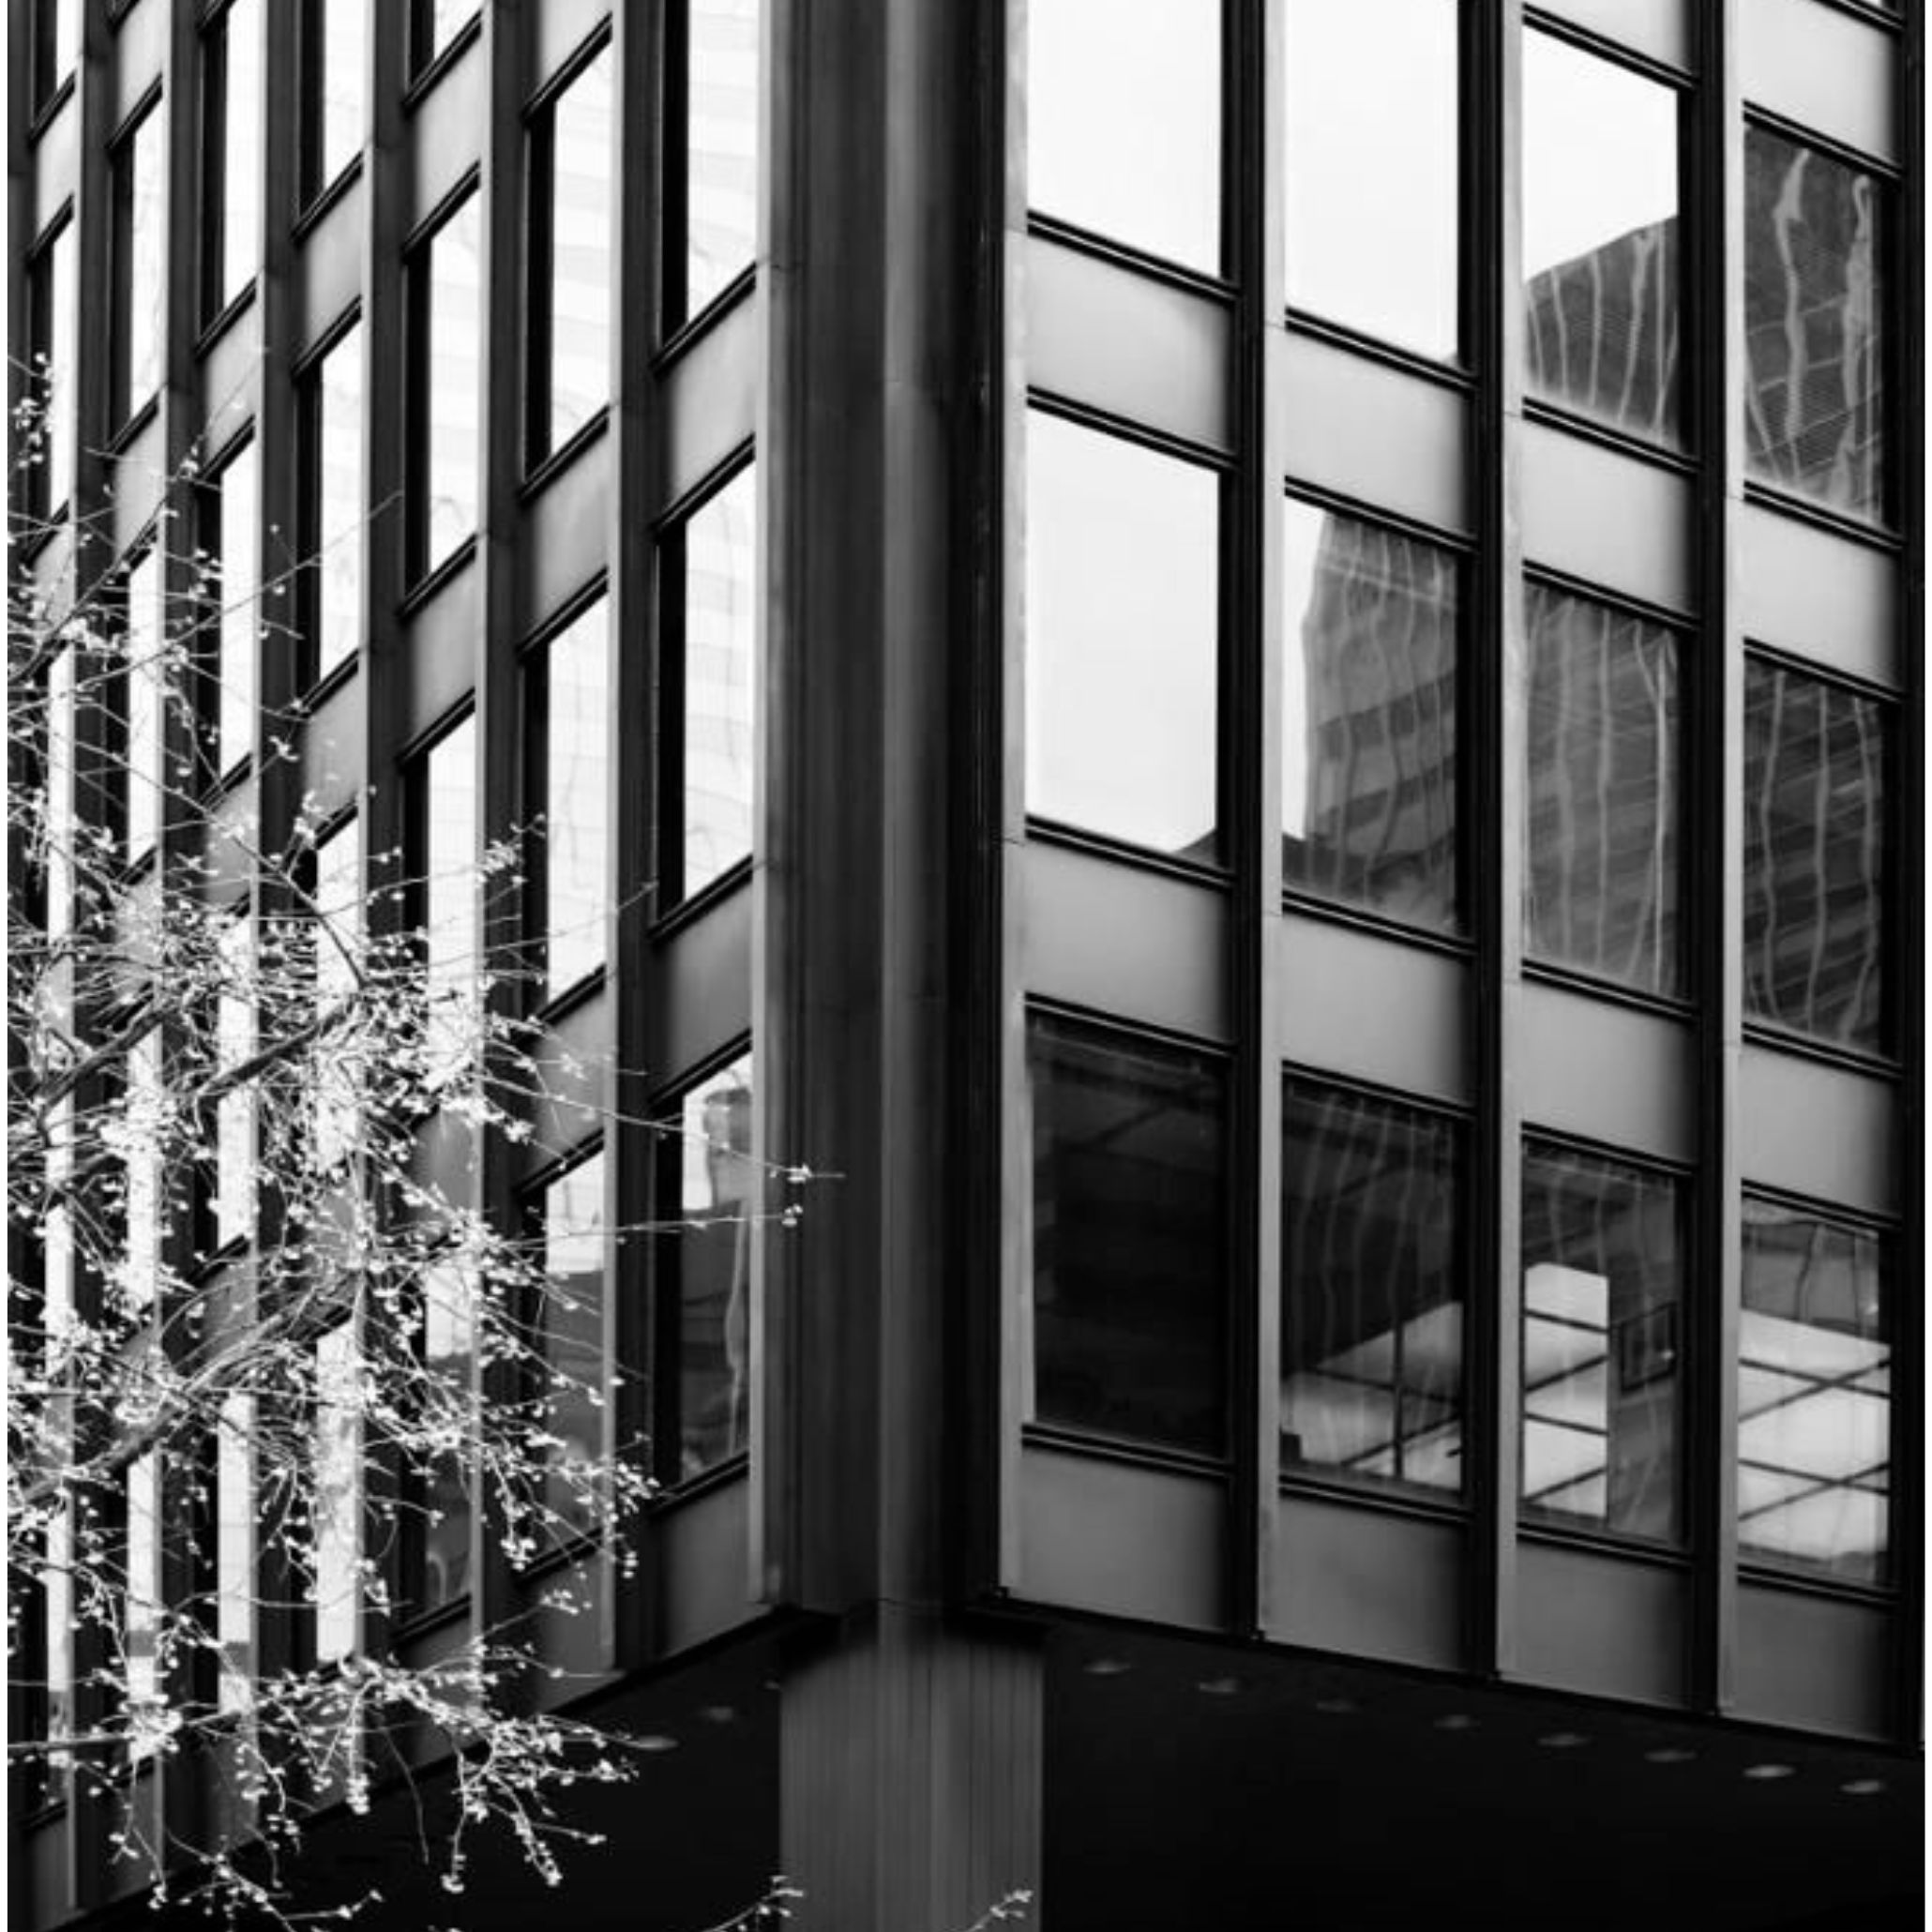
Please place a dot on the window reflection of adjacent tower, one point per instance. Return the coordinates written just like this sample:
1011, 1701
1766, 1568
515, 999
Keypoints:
715, 1270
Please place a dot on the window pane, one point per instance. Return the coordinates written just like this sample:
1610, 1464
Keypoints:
449, 1351
1123, 596
234, 1550
141, 280
332, 88
144, 1618
1600, 1342
447, 370
1371, 1319
1813, 1394
56, 45
1368, 782
448, 855
574, 799
571, 191
721, 148
232, 192
338, 1077
573, 1337
1603, 793
1601, 240
234, 1112
707, 818
1815, 290
332, 539
337, 1507
50, 449
1129, 1238
237, 586
147, 686
435, 24
708, 1189
1124, 121
1373, 199
1816, 798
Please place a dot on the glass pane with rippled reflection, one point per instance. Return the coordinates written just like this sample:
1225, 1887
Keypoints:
1601, 240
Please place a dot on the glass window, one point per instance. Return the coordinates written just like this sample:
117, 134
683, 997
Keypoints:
144, 1123
571, 176
235, 583
1601, 241
335, 1096
1814, 1392
1368, 694
57, 1319
1817, 286
1601, 1315
445, 370
433, 24
1371, 1316
49, 445
1374, 198
572, 1401
234, 1194
1122, 633
450, 1358
331, 504
147, 683
712, 234
231, 152
708, 1191
709, 692
569, 786
234, 1549
59, 890
1602, 793
56, 45
332, 90
1130, 1237
143, 1607
1815, 852
1124, 122
445, 854
140, 282
338, 1508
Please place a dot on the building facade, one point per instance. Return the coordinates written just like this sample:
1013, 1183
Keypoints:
1257, 664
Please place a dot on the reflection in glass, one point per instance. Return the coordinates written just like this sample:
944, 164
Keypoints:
447, 292
1602, 793
56, 45
332, 90
1813, 1394
143, 1617
1373, 199
572, 789
143, 1203
1815, 290
570, 183
236, 580
708, 1192
720, 211
338, 1505
434, 23
1122, 633
1372, 1315
1601, 240
231, 103
49, 474
449, 1356
141, 281
573, 1336
147, 685
234, 1549
336, 1094
58, 902
1601, 1316
705, 825
234, 1202
1816, 802
57, 1317
446, 830
1124, 122
332, 503
1130, 1240
1368, 784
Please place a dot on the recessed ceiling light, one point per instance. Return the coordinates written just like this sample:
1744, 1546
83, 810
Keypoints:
1863, 1787
1669, 1754
1764, 1772
1455, 1720
1219, 1686
1335, 1707
1562, 1740
1108, 1666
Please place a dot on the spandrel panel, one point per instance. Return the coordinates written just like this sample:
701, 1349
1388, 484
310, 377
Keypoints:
1814, 1394
1601, 1343
1371, 1318
1602, 871
1816, 926
1124, 122
1368, 730
1123, 589
1373, 199
1816, 293
1129, 1279
1602, 241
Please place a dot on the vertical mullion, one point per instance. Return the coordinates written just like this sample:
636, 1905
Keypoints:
1498, 697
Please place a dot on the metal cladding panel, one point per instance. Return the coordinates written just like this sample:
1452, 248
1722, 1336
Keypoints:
1813, 1660
1375, 433
1120, 940
1606, 1625
439, 655
1373, 1008
446, 131
1822, 68
54, 165
1106, 335
232, 377
1369, 1583
1606, 517
1823, 1131
332, 750
140, 477
328, 266
1818, 594
705, 984
579, 1092
564, 534
1659, 28
711, 400
703, 1569
140, 54
1607, 1072
1132, 1540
